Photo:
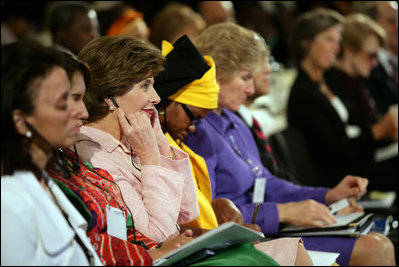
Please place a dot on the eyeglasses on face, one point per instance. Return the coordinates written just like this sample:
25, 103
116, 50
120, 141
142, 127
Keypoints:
193, 120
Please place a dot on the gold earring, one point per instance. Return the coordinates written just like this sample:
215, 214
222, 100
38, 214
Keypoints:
161, 112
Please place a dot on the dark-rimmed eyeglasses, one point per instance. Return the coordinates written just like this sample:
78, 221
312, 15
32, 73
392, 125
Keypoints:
193, 120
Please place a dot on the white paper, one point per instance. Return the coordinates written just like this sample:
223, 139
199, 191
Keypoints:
259, 190
321, 258
338, 205
116, 223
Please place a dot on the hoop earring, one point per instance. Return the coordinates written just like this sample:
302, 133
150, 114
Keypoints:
28, 134
111, 108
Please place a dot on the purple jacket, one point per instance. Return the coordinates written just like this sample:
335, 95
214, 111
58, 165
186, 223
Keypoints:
234, 163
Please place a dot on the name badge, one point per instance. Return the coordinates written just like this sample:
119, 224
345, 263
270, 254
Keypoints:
259, 190
116, 223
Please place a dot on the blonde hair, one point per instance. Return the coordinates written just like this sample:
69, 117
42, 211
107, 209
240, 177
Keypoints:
232, 48
357, 27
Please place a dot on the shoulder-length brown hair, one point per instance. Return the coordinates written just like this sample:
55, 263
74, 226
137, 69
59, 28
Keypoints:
310, 24
116, 63
24, 66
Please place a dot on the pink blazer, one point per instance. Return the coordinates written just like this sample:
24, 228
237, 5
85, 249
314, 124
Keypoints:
159, 197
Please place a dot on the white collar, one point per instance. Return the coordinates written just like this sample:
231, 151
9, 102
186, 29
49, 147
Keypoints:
246, 115
384, 57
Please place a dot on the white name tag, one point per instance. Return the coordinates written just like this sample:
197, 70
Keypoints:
259, 190
116, 223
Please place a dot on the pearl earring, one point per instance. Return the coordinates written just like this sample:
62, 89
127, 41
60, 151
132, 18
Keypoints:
28, 134
111, 108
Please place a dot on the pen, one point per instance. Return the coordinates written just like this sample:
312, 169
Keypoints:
255, 213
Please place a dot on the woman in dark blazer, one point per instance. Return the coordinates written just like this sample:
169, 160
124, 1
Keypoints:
337, 144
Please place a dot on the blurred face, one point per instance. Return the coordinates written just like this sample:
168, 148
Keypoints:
215, 12
367, 58
235, 91
137, 28
179, 122
81, 31
388, 19
191, 30
21, 26
262, 81
322, 51
76, 104
142, 97
52, 117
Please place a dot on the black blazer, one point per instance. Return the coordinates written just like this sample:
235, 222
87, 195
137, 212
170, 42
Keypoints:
333, 153
354, 93
383, 89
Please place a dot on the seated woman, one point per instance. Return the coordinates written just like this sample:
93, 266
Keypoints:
189, 91
346, 80
94, 190
155, 178
336, 145
234, 165
39, 225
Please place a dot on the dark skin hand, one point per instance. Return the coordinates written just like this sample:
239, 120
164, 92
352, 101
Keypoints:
225, 211
173, 242
196, 230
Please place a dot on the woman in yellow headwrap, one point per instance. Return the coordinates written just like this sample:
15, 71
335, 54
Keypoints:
189, 91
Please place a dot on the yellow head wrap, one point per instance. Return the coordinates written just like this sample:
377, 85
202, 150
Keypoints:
202, 93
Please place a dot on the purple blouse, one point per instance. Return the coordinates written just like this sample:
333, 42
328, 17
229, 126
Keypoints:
234, 163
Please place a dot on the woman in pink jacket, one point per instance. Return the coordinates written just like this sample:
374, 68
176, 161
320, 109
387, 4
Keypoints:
124, 137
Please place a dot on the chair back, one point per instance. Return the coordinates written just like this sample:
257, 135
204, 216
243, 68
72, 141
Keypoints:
291, 148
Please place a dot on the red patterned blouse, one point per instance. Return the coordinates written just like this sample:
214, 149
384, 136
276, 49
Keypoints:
96, 188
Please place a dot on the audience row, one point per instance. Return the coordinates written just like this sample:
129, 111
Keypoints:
115, 152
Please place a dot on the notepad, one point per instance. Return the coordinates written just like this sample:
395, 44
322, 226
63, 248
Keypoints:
353, 224
223, 236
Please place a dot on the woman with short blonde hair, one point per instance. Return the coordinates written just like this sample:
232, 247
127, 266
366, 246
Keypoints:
231, 52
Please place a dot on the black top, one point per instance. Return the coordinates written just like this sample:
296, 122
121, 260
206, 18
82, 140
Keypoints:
333, 153
383, 89
354, 94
